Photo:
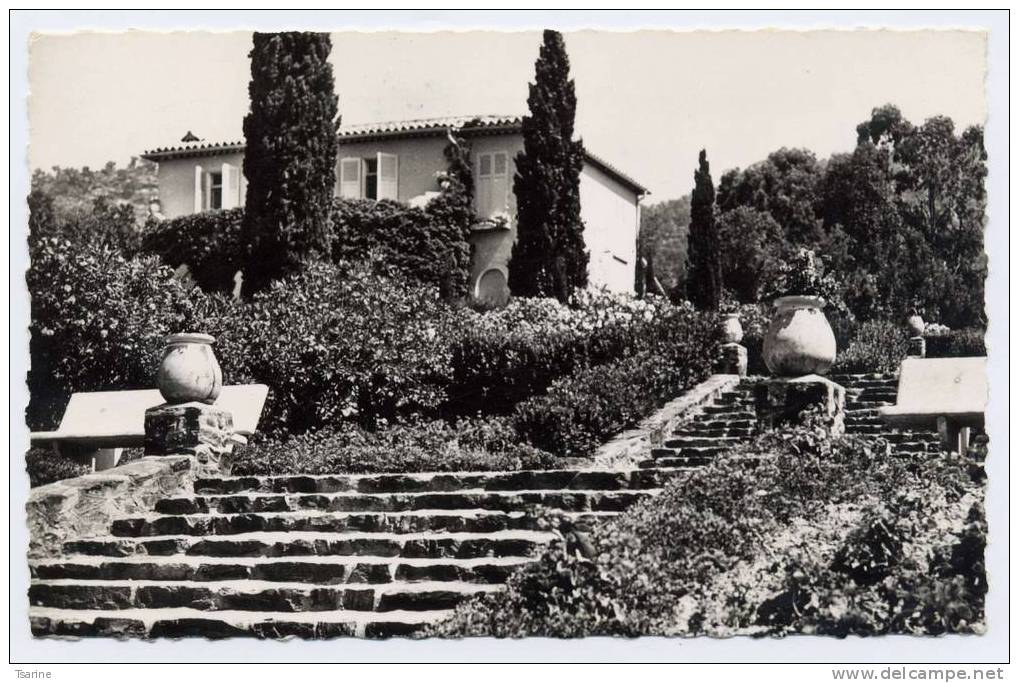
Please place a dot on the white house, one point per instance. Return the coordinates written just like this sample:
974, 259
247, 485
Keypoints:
401, 160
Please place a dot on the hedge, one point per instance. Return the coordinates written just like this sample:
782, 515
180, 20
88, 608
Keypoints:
428, 446
956, 344
398, 239
581, 411
876, 346
793, 533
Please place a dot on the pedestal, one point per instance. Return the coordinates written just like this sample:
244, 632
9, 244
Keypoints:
192, 428
789, 400
733, 359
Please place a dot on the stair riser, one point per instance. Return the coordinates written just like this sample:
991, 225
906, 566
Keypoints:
213, 628
291, 572
317, 599
555, 480
414, 548
607, 501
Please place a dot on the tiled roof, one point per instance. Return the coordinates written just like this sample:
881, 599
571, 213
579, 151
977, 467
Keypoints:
491, 123
416, 126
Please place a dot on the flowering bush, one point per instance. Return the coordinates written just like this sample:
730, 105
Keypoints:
791, 533
428, 446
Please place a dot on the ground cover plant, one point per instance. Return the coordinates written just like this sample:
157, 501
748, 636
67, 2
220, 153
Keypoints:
792, 533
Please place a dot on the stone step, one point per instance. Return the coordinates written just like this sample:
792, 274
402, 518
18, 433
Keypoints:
469, 521
712, 423
183, 622
689, 461
727, 413
255, 596
327, 570
305, 543
526, 480
867, 405
689, 451
505, 501
714, 432
703, 442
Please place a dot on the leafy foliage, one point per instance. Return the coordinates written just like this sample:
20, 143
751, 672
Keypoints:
583, 410
337, 347
787, 534
44, 466
549, 257
956, 344
104, 223
290, 154
98, 322
804, 275
752, 251
877, 346
704, 273
662, 243
75, 191
428, 446
208, 243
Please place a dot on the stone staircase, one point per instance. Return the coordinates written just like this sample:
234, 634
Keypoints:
368, 555
730, 419
317, 556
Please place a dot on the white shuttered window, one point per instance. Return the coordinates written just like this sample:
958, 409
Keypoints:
389, 172
350, 178
493, 183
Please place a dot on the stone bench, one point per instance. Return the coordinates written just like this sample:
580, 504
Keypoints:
98, 425
947, 395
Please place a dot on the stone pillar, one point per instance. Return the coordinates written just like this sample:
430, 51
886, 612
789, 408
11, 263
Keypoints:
917, 347
733, 359
787, 400
192, 428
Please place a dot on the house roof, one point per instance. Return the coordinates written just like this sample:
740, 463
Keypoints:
470, 125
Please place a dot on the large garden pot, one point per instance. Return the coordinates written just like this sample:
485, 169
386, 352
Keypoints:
916, 325
732, 330
189, 370
799, 340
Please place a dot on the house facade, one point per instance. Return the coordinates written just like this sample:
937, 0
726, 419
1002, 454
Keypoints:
403, 161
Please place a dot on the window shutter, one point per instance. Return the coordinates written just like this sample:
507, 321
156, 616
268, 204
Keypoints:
231, 186
199, 193
388, 176
500, 182
350, 178
483, 188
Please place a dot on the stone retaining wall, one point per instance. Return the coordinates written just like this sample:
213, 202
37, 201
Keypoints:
86, 506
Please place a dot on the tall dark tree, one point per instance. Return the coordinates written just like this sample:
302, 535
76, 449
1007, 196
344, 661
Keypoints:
549, 258
454, 208
704, 272
290, 158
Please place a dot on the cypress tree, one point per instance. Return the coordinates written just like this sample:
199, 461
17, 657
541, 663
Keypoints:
549, 258
704, 273
290, 157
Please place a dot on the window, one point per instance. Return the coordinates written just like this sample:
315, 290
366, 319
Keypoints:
215, 190
369, 177
492, 186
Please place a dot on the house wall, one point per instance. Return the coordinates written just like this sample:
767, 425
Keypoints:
611, 214
610, 211
177, 181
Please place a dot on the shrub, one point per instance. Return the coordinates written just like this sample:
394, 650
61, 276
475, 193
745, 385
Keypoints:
45, 466
208, 243
779, 536
877, 346
335, 347
98, 322
503, 357
581, 411
430, 446
956, 344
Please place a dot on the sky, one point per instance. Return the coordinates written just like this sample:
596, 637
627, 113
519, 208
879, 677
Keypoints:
648, 101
